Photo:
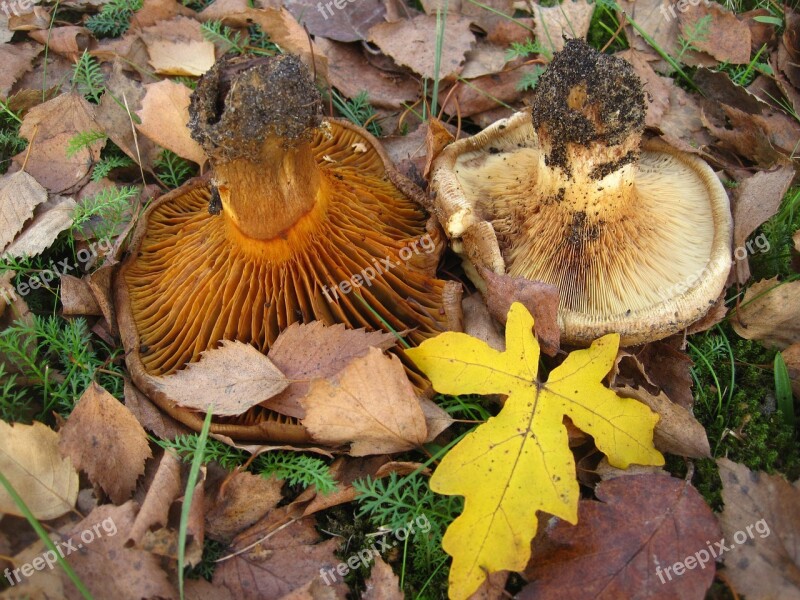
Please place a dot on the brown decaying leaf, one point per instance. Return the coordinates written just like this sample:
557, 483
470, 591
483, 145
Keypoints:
437, 137
478, 323
484, 59
77, 298
342, 22
16, 59
228, 380
770, 313
239, 501
657, 366
29, 459
289, 556
370, 404
351, 73
436, 418
106, 566
105, 440
677, 431
163, 490
155, 11
755, 200
177, 47
50, 218
627, 544
164, 115
69, 41
656, 87
651, 17
541, 300
382, 583
570, 19
305, 352
48, 128
494, 588
482, 93
20, 194
761, 525
412, 43
727, 38
150, 416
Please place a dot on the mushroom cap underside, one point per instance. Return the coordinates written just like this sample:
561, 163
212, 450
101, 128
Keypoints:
645, 269
193, 279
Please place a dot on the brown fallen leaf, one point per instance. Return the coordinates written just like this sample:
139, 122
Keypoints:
50, 219
105, 440
290, 555
239, 501
48, 128
20, 194
306, 352
541, 300
646, 537
436, 138
656, 87
494, 588
478, 323
228, 380
656, 18
341, 22
16, 60
77, 298
761, 525
370, 404
726, 38
484, 59
177, 47
382, 583
156, 11
29, 459
570, 19
163, 491
677, 431
657, 367
105, 565
69, 41
164, 115
412, 43
150, 416
38, 18
351, 73
756, 199
769, 313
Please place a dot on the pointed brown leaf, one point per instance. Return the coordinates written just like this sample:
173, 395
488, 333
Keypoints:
770, 313
105, 440
164, 489
20, 194
240, 500
382, 583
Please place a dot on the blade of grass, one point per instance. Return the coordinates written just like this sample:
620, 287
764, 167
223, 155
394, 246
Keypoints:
37, 527
783, 390
382, 320
187, 497
441, 21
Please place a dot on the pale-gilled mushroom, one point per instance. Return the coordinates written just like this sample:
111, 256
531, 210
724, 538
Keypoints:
300, 219
636, 237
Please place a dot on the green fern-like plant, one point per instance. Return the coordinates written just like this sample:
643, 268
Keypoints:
114, 18
224, 37
358, 110
15, 405
296, 469
10, 141
104, 212
172, 169
185, 446
88, 78
107, 164
83, 140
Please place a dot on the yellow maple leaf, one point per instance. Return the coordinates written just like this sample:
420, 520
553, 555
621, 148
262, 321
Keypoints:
519, 462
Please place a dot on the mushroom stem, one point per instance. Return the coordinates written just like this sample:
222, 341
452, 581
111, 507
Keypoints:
265, 197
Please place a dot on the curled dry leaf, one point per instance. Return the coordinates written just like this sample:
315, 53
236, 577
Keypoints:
48, 128
756, 199
105, 440
16, 60
20, 194
228, 380
150, 416
29, 459
770, 313
370, 404
50, 219
626, 544
412, 43
165, 114
77, 298
69, 41
305, 352
761, 526
239, 501
163, 490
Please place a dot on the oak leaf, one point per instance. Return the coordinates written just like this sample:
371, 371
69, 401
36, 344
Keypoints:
519, 462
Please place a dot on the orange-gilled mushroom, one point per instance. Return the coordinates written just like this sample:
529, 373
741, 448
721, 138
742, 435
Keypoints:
299, 219
636, 237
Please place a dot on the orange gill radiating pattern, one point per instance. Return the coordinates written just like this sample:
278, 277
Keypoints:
197, 280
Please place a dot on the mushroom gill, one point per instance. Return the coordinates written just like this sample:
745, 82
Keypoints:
293, 207
636, 237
